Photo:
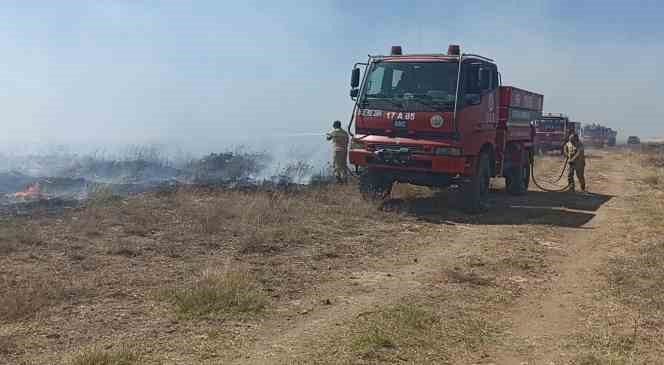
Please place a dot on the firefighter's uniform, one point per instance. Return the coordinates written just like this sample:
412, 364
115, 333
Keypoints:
577, 163
339, 139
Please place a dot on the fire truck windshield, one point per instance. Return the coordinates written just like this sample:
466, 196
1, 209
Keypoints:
551, 124
414, 86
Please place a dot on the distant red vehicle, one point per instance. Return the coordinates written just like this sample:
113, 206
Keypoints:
441, 120
596, 135
552, 131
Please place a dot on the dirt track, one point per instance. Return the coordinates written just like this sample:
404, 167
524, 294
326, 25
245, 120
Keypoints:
575, 229
524, 283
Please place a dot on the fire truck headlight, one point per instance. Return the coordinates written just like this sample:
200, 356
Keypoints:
356, 145
448, 151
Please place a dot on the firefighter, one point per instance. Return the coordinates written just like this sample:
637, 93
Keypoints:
339, 139
575, 154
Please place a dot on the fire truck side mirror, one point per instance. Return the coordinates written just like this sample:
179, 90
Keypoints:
354, 93
355, 78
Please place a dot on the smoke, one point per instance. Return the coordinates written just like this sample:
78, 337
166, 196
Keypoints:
205, 77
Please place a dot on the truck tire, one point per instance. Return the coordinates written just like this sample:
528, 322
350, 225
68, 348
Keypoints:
475, 193
517, 178
375, 186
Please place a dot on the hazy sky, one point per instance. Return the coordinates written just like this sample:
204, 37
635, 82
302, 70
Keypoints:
202, 73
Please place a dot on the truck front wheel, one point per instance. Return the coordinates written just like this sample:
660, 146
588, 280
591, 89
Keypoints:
475, 193
375, 186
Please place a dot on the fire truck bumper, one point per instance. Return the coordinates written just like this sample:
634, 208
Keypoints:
548, 146
425, 170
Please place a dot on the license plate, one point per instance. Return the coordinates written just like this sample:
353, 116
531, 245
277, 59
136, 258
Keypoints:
400, 123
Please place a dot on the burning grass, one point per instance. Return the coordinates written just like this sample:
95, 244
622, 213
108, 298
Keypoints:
216, 293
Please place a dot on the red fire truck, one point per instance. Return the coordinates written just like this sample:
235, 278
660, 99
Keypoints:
552, 131
440, 120
597, 135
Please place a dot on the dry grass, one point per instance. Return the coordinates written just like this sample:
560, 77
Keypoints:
29, 297
269, 222
14, 235
100, 195
395, 327
639, 280
7, 345
124, 248
91, 223
420, 332
626, 323
654, 163
447, 325
123, 356
602, 344
218, 292
458, 276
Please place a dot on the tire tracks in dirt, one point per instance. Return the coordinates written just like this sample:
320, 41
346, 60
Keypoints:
546, 318
541, 317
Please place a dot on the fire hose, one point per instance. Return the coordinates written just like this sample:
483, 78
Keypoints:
559, 190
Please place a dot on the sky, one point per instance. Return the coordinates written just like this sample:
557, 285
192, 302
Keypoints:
203, 75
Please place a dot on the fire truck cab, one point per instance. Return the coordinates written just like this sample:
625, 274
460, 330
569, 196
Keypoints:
440, 120
552, 131
596, 135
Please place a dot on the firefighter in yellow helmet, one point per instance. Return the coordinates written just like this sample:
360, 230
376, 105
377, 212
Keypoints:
339, 139
575, 154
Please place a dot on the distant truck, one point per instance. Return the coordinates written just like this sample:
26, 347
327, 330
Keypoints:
596, 135
552, 131
440, 120
612, 138
633, 140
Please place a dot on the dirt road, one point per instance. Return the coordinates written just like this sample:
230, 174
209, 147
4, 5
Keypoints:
573, 238
546, 278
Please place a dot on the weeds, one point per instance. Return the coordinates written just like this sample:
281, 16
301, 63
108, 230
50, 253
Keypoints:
123, 248
395, 327
123, 356
461, 277
91, 222
33, 295
421, 332
16, 234
638, 280
218, 292
7, 345
100, 195
625, 323
602, 345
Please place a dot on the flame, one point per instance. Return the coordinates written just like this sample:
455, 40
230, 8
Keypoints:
32, 192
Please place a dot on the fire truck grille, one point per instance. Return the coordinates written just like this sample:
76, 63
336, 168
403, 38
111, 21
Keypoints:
421, 164
411, 149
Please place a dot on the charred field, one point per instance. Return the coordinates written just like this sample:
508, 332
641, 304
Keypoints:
103, 255
208, 264
179, 263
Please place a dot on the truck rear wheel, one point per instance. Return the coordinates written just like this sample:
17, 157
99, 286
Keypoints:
517, 178
375, 186
475, 193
